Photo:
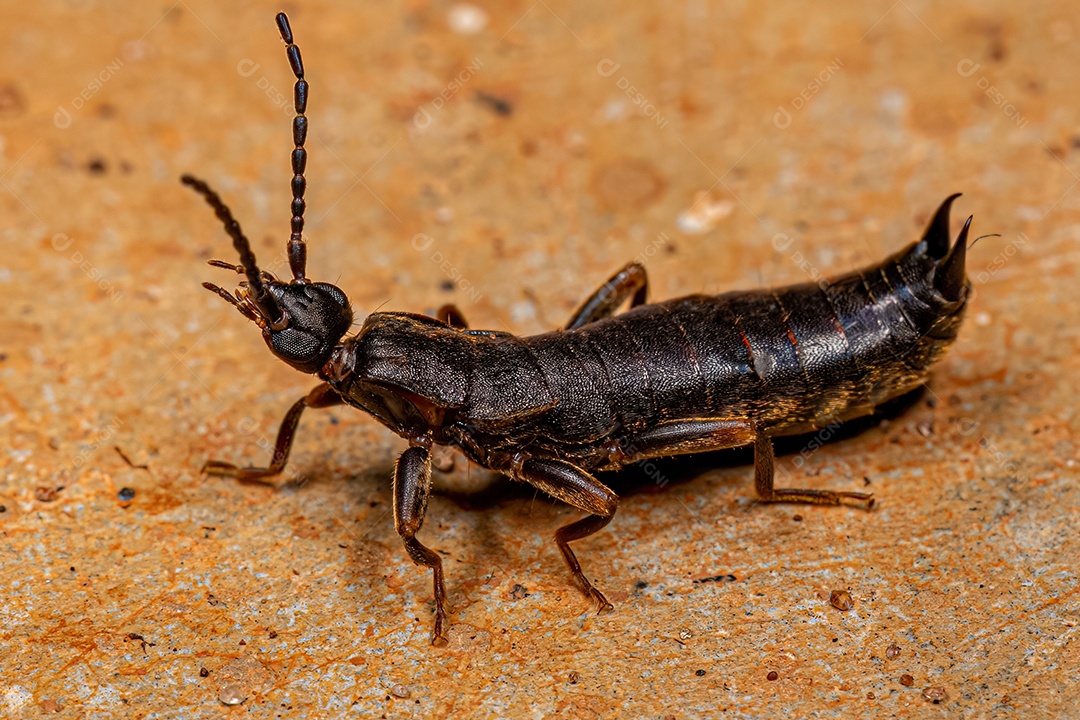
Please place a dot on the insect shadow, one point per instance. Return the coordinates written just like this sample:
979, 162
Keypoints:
656, 476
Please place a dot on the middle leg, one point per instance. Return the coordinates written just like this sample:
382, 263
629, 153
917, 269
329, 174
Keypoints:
452, 316
576, 487
630, 281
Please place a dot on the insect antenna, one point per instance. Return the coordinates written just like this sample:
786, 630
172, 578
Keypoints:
981, 237
297, 249
262, 299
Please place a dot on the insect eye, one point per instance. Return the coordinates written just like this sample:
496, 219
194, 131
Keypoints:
334, 292
295, 345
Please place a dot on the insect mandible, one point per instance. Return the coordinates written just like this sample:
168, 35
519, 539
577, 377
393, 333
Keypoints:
688, 375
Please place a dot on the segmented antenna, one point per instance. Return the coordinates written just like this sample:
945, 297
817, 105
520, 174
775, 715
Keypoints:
297, 249
263, 300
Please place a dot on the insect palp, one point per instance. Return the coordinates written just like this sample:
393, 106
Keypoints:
241, 304
226, 265
225, 295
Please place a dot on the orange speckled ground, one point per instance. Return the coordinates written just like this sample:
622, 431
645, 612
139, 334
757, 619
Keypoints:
509, 157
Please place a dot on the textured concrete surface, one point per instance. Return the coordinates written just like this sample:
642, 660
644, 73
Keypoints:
508, 158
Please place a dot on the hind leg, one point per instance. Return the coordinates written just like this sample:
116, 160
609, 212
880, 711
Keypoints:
764, 467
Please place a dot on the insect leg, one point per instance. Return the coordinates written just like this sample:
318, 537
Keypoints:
453, 317
631, 280
320, 397
705, 434
683, 437
575, 487
763, 482
412, 487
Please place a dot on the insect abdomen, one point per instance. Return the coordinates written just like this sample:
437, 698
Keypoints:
787, 360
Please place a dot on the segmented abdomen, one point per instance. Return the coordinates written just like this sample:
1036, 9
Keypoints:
789, 359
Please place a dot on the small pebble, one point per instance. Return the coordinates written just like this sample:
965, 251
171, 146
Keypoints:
841, 600
700, 673
399, 691
773, 675
46, 494
685, 634
869, 696
232, 694
892, 652
935, 694
126, 494
906, 680
466, 18
203, 672
703, 215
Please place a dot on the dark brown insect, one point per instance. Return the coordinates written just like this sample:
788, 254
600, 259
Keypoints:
688, 375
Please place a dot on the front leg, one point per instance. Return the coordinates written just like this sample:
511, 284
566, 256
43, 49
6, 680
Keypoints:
412, 488
321, 396
575, 487
631, 280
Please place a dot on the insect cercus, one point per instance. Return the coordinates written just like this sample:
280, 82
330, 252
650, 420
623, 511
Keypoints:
687, 375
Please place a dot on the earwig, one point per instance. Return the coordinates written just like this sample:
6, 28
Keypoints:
688, 375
